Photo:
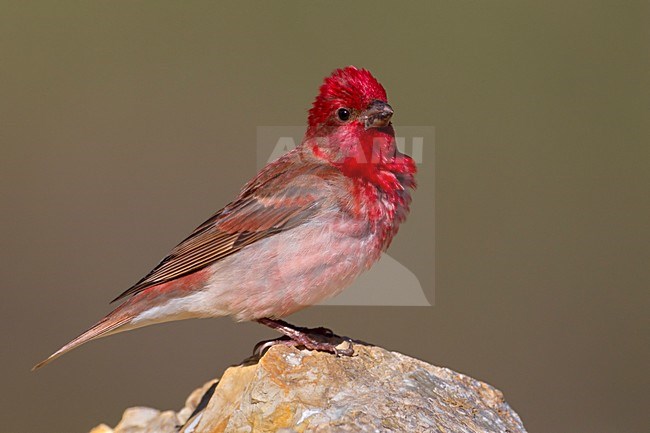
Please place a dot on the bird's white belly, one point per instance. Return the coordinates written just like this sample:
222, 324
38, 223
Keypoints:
279, 275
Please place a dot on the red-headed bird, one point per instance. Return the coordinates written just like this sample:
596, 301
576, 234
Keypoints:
301, 231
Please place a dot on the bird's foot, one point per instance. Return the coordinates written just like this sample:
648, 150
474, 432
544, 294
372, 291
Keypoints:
321, 339
312, 342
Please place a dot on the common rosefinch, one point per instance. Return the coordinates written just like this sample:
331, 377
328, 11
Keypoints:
302, 230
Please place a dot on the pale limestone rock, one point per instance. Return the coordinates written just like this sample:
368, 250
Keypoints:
294, 391
147, 420
102, 428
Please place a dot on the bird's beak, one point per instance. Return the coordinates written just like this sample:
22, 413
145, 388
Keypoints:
377, 115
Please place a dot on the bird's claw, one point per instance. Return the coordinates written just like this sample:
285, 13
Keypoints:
260, 348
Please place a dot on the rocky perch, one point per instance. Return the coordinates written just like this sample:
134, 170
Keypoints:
290, 390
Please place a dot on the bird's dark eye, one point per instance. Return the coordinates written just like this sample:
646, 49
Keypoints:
343, 113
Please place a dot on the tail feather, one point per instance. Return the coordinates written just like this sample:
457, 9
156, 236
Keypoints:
108, 325
165, 302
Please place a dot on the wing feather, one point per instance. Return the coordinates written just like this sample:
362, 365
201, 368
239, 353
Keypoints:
267, 205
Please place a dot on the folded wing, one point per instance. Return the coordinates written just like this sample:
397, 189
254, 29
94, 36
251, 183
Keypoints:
278, 199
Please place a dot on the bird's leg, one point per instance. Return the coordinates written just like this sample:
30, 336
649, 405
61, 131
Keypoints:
305, 337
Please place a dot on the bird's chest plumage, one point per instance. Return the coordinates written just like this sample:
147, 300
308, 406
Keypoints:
312, 262
382, 205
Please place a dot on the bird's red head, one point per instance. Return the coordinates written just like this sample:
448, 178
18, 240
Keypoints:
344, 97
349, 123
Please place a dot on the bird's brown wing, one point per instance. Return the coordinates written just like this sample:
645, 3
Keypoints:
273, 202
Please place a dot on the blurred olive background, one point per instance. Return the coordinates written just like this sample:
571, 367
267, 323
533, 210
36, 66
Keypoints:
123, 125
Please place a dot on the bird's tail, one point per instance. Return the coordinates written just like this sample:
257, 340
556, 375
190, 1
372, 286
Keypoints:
114, 322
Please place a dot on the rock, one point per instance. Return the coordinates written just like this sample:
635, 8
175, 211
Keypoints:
294, 391
102, 428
